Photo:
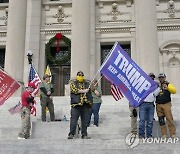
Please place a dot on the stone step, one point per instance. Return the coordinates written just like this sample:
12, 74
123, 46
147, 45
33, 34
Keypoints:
109, 137
90, 151
84, 146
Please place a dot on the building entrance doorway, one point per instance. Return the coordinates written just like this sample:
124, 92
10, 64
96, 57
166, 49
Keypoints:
105, 49
60, 73
60, 77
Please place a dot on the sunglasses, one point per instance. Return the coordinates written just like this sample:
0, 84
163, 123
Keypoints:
80, 74
161, 77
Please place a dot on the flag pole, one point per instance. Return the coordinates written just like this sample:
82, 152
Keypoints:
98, 71
108, 55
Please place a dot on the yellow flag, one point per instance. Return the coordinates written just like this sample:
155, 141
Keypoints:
48, 72
47, 109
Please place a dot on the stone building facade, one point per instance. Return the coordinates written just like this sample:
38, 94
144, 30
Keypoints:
149, 30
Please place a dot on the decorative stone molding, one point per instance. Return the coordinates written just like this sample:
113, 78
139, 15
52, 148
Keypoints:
59, 2
5, 16
101, 5
47, 8
157, 2
60, 15
171, 9
114, 12
174, 62
169, 28
53, 32
117, 21
3, 34
114, 30
129, 3
172, 50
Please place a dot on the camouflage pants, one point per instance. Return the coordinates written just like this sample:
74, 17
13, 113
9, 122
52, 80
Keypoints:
26, 124
133, 120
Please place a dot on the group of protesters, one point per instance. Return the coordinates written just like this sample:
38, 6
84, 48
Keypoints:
160, 99
86, 100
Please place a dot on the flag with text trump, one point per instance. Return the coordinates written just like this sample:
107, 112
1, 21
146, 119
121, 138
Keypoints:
124, 73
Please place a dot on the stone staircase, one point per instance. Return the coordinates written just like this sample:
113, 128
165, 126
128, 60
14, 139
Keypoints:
108, 138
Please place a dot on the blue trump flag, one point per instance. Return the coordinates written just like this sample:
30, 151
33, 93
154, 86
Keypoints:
123, 72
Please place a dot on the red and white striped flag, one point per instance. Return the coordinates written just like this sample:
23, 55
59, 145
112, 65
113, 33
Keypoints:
116, 92
33, 109
34, 78
16, 108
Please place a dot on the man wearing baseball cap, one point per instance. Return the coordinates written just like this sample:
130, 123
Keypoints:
46, 90
27, 100
146, 113
163, 106
81, 102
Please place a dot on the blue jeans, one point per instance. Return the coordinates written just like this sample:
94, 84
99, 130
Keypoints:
146, 115
95, 112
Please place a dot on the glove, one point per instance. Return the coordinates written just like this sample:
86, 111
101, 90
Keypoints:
83, 91
134, 112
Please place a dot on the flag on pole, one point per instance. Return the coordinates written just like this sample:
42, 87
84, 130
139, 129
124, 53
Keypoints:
34, 78
48, 72
7, 86
16, 108
116, 93
123, 72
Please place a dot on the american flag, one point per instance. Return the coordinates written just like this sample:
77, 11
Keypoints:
116, 92
34, 78
16, 108
33, 109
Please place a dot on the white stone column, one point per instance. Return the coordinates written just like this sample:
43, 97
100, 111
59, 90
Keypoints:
15, 45
80, 50
32, 39
93, 53
146, 35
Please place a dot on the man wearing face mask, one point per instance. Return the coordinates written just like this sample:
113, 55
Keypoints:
81, 101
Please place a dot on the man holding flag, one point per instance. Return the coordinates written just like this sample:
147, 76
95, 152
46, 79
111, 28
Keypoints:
28, 103
27, 100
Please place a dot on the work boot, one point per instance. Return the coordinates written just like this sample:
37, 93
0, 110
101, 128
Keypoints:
70, 136
85, 137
